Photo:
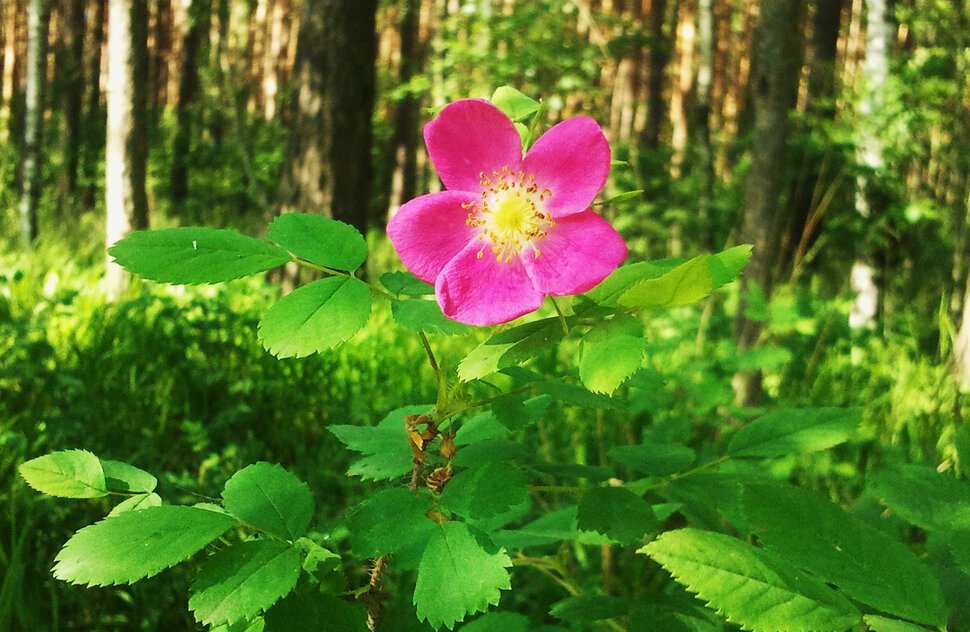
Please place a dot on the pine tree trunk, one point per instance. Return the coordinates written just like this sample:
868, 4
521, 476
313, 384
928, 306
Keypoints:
656, 74
32, 154
774, 91
328, 164
199, 21
126, 147
406, 125
71, 69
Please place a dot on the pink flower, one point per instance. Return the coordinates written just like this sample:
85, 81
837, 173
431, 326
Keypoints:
508, 230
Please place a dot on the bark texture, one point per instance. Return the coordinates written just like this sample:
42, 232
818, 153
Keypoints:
38, 13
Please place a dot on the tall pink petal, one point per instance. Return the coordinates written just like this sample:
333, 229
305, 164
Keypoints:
484, 291
572, 160
580, 251
469, 137
428, 231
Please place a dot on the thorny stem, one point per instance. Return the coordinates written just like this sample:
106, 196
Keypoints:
439, 375
374, 595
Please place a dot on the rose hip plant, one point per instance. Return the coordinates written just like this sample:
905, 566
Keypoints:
460, 500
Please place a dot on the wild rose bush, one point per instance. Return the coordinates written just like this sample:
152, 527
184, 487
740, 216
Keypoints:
460, 497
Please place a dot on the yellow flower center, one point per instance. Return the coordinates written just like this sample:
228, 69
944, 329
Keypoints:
511, 214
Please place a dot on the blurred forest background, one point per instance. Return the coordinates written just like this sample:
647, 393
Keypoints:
834, 135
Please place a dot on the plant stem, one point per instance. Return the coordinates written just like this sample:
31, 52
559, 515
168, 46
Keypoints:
562, 317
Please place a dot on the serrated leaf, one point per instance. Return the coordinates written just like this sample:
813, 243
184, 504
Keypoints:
405, 284
318, 562
385, 447
885, 624
137, 544
66, 474
623, 278
688, 282
795, 431
420, 315
485, 491
320, 240
611, 353
512, 346
270, 499
750, 587
489, 451
654, 459
294, 611
315, 317
920, 495
589, 608
868, 565
141, 501
243, 580
616, 513
492, 621
192, 255
461, 573
121, 477
391, 521
517, 106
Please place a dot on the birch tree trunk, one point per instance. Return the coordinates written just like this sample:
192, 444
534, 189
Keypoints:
32, 156
126, 145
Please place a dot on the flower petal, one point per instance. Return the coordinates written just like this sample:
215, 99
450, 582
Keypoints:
468, 137
428, 231
485, 291
580, 251
572, 160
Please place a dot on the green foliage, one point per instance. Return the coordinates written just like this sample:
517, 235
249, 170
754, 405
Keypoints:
610, 354
243, 580
405, 284
270, 499
516, 105
616, 513
867, 564
418, 315
369, 535
315, 317
919, 495
319, 240
195, 255
385, 450
121, 477
445, 592
68, 474
751, 587
688, 282
588, 608
138, 544
791, 431
513, 346
485, 491
654, 459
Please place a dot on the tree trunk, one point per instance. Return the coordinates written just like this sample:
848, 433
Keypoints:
71, 67
406, 125
656, 71
875, 72
126, 146
774, 91
328, 163
705, 152
38, 13
199, 20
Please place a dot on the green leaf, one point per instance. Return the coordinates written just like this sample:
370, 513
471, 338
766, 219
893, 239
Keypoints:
868, 565
688, 282
795, 431
121, 477
141, 501
419, 315
750, 587
512, 346
486, 491
885, 624
654, 459
611, 353
489, 451
243, 580
622, 197
320, 240
958, 539
589, 608
391, 521
516, 105
294, 612
461, 573
318, 562
920, 495
386, 449
137, 544
614, 286
66, 474
193, 255
405, 284
616, 513
315, 317
271, 499
504, 621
